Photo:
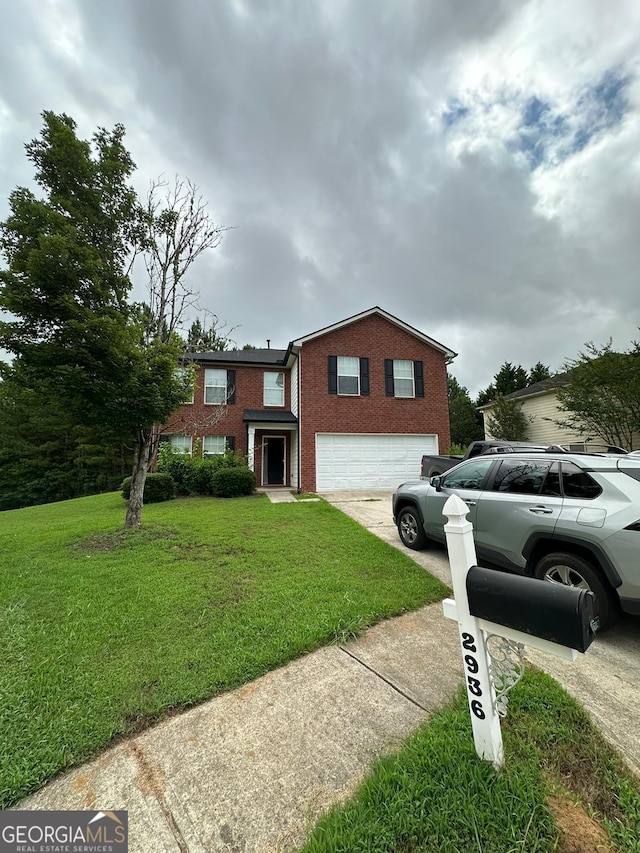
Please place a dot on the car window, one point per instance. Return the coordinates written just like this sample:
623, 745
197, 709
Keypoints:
468, 476
521, 476
576, 483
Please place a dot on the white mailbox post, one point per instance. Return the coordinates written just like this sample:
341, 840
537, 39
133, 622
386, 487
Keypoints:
486, 690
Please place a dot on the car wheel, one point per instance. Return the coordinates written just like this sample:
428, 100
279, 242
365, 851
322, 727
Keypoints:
410, 529
571, 570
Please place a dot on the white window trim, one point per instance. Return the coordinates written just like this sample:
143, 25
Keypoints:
216, 453
187, 402
206, 385
276, 388
181, 449
404, 379
340, 373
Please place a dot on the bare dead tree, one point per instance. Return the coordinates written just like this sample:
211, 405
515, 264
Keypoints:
178, 230
184, 422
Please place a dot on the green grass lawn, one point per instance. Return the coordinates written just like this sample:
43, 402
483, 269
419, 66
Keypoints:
104, 631
563, 788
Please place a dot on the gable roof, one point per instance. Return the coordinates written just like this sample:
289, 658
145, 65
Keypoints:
449, 354
535, 390
283, 357
267, 357
541, 387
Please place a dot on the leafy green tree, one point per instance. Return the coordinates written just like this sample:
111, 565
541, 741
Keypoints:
67, 285
507, 421
602, 398
510, 378
45, 456
538, 372
486, 396
206, 338
465, 420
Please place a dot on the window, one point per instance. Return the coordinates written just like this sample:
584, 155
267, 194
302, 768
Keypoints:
273, 389
214, 445
181, 443
576, 483
523, 477
403, 378
403, 385
219, 386
185, 376
469, 476
348, 375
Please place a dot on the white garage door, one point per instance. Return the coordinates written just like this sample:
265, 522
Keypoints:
369, 461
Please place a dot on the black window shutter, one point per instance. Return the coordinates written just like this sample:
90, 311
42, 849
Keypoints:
418, 376
231, 441
388, 377
231, 386
332, 362
364, 376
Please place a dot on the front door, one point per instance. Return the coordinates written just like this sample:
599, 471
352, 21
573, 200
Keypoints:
273, 461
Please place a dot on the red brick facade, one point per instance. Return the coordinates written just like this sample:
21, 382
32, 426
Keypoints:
199, 419
377, 339
371, 335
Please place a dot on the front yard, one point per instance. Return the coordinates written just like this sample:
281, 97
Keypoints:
104, 632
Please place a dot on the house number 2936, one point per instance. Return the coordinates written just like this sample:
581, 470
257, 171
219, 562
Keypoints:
473, 684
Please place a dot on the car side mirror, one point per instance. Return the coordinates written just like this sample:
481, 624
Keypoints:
435, 482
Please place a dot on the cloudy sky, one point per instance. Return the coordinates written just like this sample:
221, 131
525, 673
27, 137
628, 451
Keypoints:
471, 166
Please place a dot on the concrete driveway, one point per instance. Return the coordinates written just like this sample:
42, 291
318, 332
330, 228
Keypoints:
606, 680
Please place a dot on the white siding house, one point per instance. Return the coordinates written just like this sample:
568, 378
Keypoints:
540, 406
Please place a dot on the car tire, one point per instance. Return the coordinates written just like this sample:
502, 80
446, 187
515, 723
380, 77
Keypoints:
571, 570
410, 529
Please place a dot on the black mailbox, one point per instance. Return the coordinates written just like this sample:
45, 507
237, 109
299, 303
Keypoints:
552, 611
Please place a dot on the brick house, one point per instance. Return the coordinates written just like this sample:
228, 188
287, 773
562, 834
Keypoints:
350, 406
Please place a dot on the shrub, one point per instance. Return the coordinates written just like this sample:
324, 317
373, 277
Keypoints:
232, 482
455, 450
199, 475
157, 488
177, 465
193, 475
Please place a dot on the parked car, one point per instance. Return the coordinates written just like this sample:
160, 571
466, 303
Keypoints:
569, 518
433, 466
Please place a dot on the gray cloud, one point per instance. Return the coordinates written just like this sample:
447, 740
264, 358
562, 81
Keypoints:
367, 153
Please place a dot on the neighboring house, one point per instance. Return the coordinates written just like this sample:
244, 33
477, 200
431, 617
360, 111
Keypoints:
351, 406
539, 403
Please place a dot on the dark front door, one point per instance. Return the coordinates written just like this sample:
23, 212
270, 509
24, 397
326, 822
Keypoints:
274, 461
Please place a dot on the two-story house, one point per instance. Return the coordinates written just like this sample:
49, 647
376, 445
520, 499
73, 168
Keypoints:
350, 406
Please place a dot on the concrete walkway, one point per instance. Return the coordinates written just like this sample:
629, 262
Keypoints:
253, 769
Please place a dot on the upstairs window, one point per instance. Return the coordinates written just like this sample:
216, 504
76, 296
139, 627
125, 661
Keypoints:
185, 377
403, 384
219, 386
273, 389
348, 375
403, 378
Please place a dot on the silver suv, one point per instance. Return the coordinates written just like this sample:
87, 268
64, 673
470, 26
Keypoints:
570, 518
